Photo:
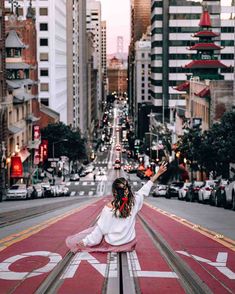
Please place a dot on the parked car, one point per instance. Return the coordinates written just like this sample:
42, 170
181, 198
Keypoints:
205, 191
38, 191
183, 191
230, 195
160, 190
192, 193
74, 177
173, 189
217, 196
48, 191
18, 191
65, 190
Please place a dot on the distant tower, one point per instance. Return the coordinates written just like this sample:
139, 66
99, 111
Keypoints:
120, 47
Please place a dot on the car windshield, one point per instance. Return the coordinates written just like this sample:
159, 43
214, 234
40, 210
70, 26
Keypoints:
177, 184
17, 187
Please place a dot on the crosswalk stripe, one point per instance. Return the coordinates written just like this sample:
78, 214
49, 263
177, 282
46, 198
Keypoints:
76, 183
72, 193
90, 193
84, 183
68, 184
81, 193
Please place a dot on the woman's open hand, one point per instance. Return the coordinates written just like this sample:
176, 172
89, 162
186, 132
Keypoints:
162, 170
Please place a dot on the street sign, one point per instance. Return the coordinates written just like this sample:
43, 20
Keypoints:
53, 159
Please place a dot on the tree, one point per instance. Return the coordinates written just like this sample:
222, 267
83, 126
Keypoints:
73, 148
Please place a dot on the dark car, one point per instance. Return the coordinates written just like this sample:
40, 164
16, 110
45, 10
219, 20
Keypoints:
173, 189
192, 194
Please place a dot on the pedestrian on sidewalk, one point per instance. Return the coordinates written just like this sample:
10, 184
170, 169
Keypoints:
94, 177
115, 228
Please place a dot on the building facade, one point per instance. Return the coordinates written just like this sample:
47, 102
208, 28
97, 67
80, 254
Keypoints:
93, 20
173, 23
104, 59
77, 65
52, 50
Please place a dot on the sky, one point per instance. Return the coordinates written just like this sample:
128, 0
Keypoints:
117, 15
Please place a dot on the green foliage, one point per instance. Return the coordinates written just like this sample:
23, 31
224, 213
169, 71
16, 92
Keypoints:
73, 148
214, 149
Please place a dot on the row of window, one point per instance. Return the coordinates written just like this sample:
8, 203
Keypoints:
189, 30
186, 43
177, 16
43, 11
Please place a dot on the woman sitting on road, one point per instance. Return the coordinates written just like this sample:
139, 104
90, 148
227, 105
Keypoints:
115, 229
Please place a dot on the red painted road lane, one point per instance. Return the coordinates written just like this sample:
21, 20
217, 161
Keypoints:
151, 262
212, 261
50, 239
86, 278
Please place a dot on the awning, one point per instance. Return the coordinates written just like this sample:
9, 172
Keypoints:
205, 64
204, 93
24, 154
14, 129
17, 65
15, 84
183, 86
32, 118
205, 46
23, 96
13, 40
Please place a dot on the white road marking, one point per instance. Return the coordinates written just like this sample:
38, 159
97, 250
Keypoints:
81, 193
72, 193
76, 183
90, 193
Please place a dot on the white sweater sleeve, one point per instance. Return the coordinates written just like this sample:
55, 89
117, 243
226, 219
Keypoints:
144, 191
93, 238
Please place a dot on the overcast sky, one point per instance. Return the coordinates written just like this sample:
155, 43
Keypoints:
117, 15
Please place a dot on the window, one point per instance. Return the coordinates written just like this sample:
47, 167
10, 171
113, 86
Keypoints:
45, 101
142, 97
43, 26
44, 57
44, 72
44, 87
142, 55
43, 11
44, 42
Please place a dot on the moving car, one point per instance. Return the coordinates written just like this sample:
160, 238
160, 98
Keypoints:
117, 165
160, 190
205, 191
18, 191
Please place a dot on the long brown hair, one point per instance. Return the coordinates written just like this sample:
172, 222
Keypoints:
123, 198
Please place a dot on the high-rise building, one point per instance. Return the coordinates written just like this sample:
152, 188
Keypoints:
93, 20
173, 24
52, 50
104, 57
140, 20
77, 65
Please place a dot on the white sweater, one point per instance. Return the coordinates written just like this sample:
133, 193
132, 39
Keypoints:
117, 231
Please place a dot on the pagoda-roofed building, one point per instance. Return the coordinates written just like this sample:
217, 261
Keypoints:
206, 64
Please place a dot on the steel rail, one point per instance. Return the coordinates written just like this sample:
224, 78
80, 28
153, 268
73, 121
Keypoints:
189, 280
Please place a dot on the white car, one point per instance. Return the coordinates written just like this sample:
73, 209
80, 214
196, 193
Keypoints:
183, 191
18, 191
160, 190
205, 191
230, 195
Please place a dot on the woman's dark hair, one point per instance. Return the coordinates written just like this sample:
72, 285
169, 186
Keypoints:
122, 190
